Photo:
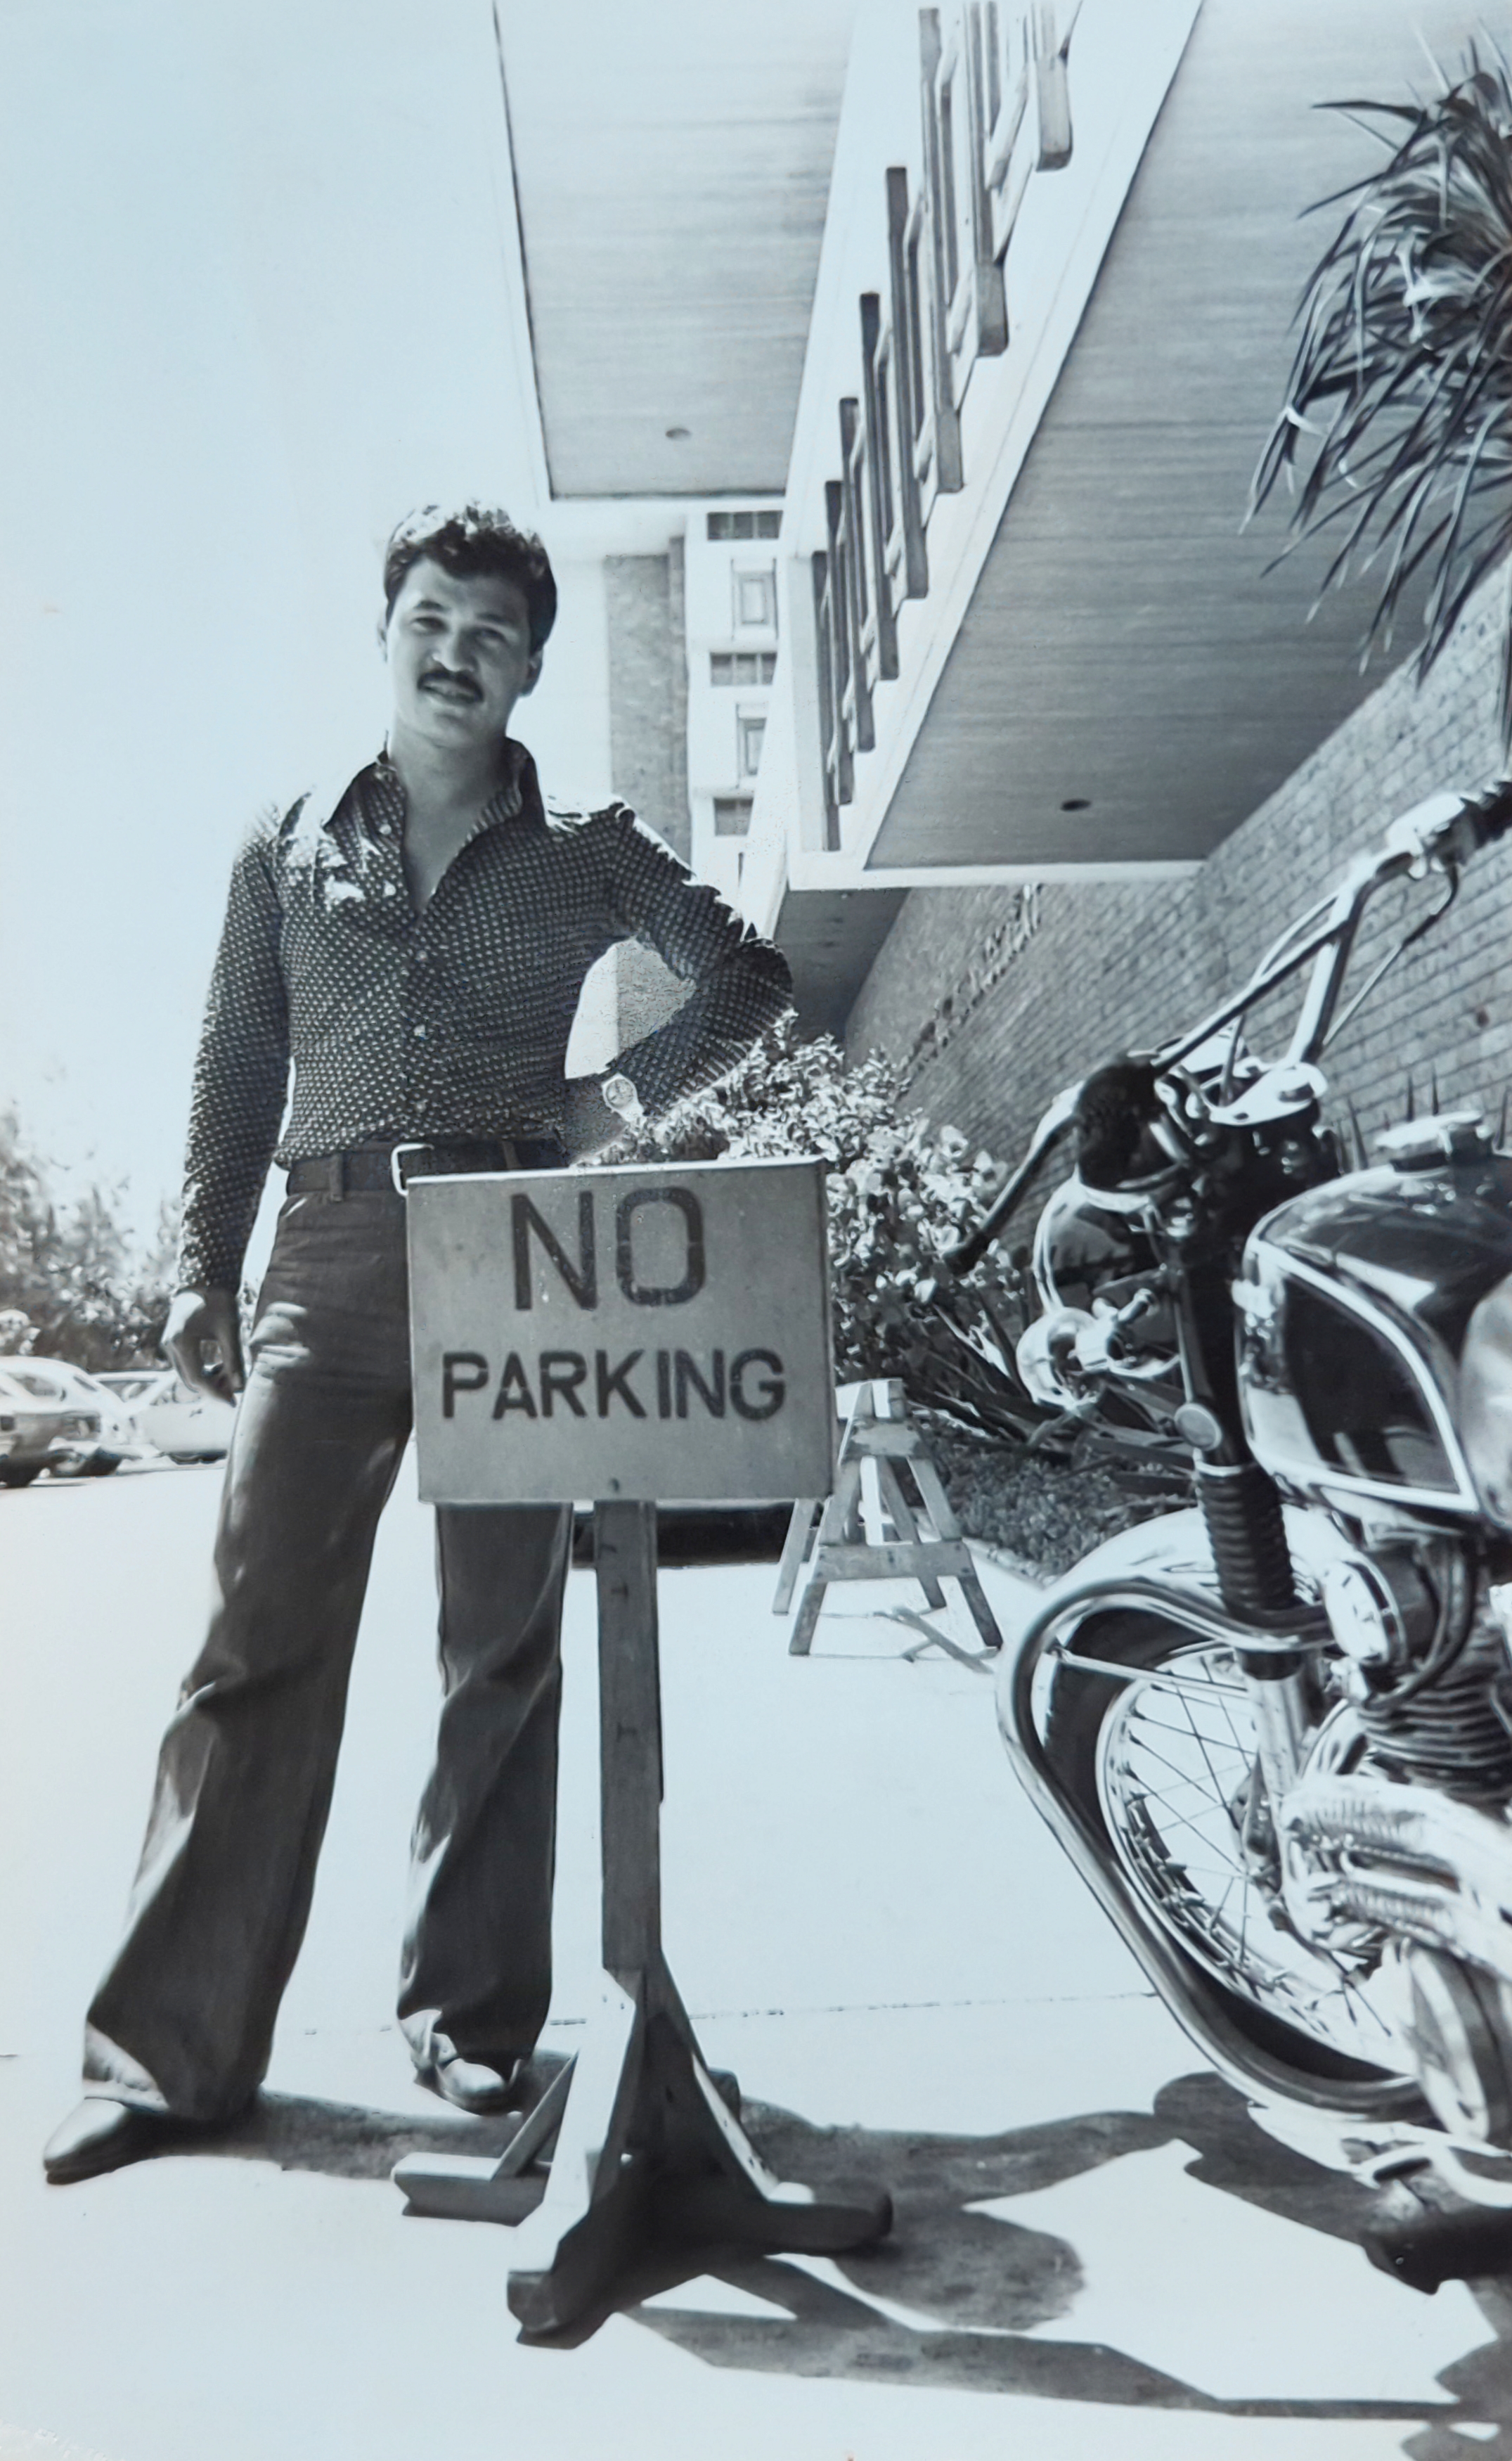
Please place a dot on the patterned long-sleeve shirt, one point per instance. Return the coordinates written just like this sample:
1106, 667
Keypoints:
450, 1023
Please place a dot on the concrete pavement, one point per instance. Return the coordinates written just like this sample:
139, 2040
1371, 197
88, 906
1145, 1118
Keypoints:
1095, 2253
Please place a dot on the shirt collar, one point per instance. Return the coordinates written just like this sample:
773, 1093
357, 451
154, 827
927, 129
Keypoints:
505, 804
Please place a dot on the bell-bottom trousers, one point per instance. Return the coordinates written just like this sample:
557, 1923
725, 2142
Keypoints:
183, 2019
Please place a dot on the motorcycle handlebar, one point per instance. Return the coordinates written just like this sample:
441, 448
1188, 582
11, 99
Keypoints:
970, 1251
1492, 812
1447, 829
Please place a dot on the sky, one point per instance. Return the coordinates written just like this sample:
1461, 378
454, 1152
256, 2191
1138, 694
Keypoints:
259, 287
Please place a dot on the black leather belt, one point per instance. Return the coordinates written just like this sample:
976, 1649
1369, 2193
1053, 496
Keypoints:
367, 1167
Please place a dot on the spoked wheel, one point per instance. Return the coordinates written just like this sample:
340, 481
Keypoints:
1167, 1771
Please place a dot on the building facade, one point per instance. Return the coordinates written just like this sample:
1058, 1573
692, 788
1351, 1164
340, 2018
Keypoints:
991, 708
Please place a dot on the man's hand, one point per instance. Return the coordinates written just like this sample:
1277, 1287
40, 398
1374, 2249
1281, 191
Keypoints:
203, 1338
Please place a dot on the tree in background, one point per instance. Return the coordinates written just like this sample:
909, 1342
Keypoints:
900, 1194
71, 1285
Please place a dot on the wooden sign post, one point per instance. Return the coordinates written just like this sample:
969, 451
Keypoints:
637, 1337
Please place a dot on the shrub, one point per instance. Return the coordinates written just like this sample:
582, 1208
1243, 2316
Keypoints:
900, 1193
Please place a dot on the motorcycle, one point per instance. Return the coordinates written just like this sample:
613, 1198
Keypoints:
1274, 1731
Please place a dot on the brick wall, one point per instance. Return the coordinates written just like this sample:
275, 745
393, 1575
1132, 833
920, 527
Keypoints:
649, 746
649, 689
995, 999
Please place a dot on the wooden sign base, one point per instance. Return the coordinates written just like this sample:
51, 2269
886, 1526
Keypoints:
647, 2152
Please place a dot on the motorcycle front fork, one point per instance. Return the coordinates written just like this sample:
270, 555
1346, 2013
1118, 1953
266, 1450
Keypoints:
1242, 1512
1281, 1704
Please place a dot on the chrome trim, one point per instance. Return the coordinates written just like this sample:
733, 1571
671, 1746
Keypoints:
1279, 1263
1308, 1629
1403, 1854
1168, 1682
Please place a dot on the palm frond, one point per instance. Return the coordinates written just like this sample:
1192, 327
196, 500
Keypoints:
1396, 430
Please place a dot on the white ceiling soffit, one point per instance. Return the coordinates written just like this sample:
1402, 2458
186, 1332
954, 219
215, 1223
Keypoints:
672, 168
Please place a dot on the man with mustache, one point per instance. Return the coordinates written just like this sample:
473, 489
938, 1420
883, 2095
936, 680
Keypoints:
414, 943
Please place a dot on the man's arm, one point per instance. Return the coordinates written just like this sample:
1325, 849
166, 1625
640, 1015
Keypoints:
741, 983
240, 1076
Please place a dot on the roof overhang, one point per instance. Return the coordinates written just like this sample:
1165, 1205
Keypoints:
671, 171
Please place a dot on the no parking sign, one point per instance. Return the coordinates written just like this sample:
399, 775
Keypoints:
649, 1333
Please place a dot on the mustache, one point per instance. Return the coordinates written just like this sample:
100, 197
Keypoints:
467, 684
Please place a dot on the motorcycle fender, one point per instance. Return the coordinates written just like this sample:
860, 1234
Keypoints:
1172, 1550
1173, 1547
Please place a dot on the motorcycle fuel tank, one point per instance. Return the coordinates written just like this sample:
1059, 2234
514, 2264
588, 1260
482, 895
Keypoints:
1364, 1325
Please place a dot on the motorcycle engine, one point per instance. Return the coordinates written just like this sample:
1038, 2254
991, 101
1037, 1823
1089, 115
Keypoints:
1426, 1668
1106, 1313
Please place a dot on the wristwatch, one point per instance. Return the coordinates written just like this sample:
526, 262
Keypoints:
621, 1096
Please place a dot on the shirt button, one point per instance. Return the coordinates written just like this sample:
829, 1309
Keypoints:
388, 889
420, 1034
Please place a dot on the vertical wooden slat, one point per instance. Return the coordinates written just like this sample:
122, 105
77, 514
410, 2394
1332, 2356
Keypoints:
879, 486
629, 1733
824, 661
851, 542
841, 640
906, 374
1053, 88
988, 298
932, 265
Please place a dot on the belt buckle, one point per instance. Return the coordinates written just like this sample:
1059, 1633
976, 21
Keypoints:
394, 1172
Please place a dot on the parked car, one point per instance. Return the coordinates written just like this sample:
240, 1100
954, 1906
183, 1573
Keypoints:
187, 1426
128, 1383
39, 1427
87, 1397
96, 1433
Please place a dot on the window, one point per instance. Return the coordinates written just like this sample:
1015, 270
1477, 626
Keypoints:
742, 666
746, 525
755, 596
731, 815
750, 728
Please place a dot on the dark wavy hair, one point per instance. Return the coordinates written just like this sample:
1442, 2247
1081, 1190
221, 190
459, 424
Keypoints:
480, 539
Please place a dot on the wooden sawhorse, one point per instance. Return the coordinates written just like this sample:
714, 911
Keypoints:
851, 1542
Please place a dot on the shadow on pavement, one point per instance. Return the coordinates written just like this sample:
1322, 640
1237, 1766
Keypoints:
965, 2289
342, 2140
951, 2298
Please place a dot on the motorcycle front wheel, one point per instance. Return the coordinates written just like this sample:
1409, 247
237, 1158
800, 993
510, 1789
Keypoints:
1167, 1773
